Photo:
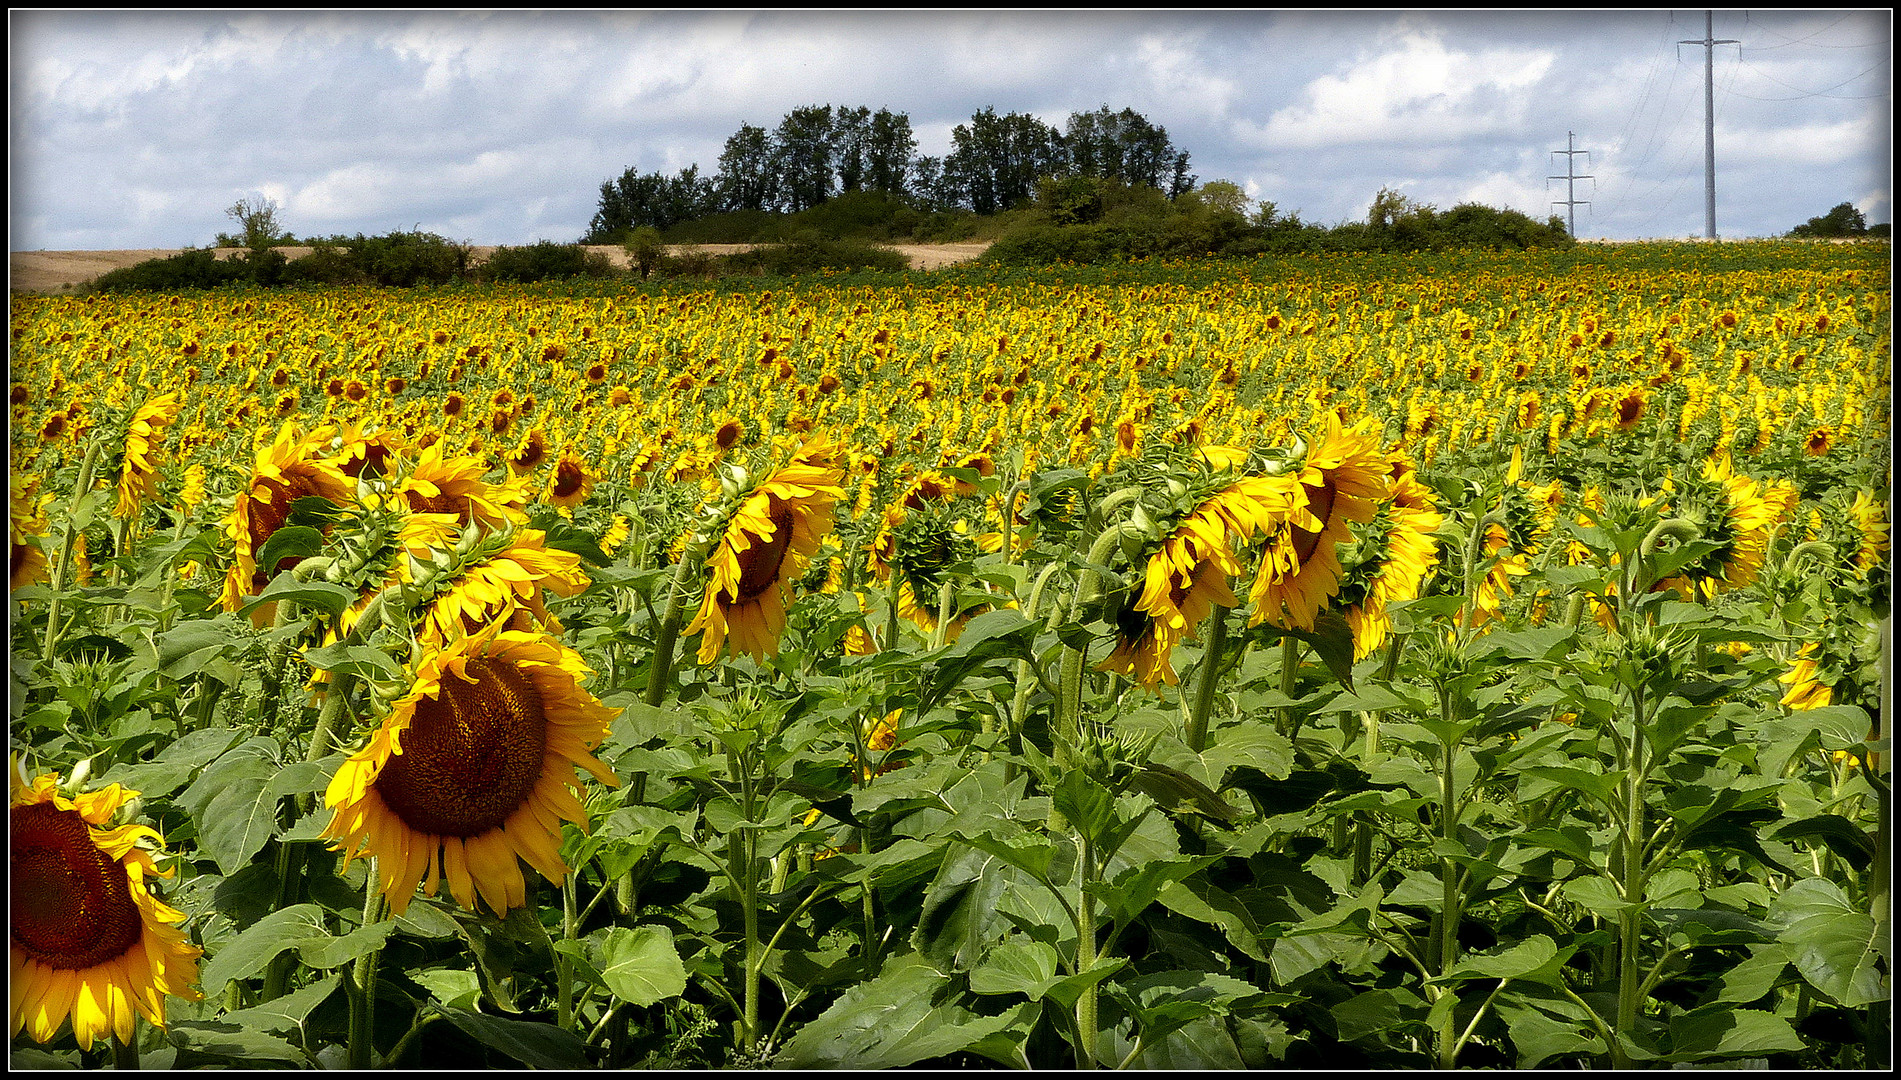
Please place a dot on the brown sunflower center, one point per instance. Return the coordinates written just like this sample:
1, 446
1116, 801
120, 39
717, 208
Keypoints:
568, 479
759, 564
471, 754
72, 905
1320, 501
440, 503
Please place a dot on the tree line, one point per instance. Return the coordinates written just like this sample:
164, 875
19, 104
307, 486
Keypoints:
820, 152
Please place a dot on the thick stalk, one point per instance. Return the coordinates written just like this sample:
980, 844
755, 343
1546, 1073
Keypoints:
1205, 689
1446, 947
125, 1055
70, 538
1290, 670
1631, 886
1086, 957
1065, 733
563, 966
669, 632
1020, 707
363, 1002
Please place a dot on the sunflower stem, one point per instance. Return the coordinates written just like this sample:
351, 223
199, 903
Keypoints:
362, 1003
68, 540
563, 966
1290, 671
946, 596
690, 561
125, 1055
1205, 689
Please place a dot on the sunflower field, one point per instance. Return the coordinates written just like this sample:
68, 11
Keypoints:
1453, 660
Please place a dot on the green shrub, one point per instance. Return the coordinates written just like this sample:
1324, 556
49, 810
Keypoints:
809, 253
198, 268
327, 264
545, 260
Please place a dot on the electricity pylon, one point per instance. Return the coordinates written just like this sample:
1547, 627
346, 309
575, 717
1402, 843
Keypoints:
1709, 43
1571, 177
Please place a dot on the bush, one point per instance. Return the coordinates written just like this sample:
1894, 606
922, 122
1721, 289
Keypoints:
197, 268
809, 253
545, 260
410, 258
327, 264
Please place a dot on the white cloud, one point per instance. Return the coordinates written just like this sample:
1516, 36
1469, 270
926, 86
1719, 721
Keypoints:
1421, 91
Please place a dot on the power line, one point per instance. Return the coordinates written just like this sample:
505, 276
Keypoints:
1824, 92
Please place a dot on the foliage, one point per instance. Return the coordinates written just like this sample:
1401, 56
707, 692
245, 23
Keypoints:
1843, 220
545, 260
1580, 807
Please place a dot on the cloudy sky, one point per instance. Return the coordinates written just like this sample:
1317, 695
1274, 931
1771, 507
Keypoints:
136, 130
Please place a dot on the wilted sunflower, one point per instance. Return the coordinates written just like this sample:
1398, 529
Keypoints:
472, 769
137, 475
453, 485
286, 470
90, 942
1341, 481
764, 545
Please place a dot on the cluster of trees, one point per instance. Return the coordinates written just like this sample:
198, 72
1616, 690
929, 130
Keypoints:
1090, 220
821, 152
1842, 221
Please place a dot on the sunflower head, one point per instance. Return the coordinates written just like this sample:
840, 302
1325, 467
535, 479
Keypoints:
571, 485
473, 769
290, 468
90, 942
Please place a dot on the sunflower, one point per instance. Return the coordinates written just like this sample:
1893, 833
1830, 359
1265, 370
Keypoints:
502, 586
137, 476
1391, 564
1732, 512
1184, 580
286, 470
530, 454
26, 560
1341, 481
765, 544
1806, 690
472, 768
90, 942
570, 486
360, 453
439, 485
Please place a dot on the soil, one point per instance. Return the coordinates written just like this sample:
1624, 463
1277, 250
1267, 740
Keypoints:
62, 271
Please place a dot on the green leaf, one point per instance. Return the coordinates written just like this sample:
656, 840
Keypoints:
1535, 957
459, 987
288, 542
1843, 837
286, 1013
538, 1046
1370, 1013
1834, 945
175, 764
960, 917
1725, 1031
1017, 966
186, 648
1332, 641
328, 952
325, 597
641, 965
1755, 976
360, 661
1543, 1024
1595, 894
889, 1022
252, 951
233, 803
1203, 902
224, 1039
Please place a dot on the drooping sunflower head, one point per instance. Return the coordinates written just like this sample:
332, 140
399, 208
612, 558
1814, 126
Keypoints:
1389, 560
927, 546
137, 474
473, 769
1730, 511
26, 561
290, 468
763, 535
439, 484
90, 943
497, 581
529, 454
366, 454
1341, 481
